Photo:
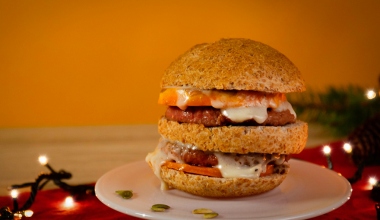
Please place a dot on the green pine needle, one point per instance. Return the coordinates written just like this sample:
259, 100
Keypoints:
340, 110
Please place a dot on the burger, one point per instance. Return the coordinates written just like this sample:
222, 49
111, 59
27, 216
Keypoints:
228, 130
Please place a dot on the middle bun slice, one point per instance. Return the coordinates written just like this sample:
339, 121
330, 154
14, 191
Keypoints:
287, 139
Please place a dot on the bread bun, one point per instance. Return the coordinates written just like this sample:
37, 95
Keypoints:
234, 64
220, 187
288, 139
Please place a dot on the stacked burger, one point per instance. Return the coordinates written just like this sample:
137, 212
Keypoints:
228, 130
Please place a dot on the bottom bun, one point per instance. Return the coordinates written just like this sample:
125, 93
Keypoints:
220, 187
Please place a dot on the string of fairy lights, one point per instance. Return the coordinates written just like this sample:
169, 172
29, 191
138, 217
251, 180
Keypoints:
373, 182
18, 212
57, 177
348, 149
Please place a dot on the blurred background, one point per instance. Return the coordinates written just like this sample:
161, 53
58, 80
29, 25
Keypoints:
79, 80
85, 63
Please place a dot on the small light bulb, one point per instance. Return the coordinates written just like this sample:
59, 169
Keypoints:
17, 215
43, 160
28, 213
14, 193
326, 150
69, 202
371, 94
372, 181
347, 148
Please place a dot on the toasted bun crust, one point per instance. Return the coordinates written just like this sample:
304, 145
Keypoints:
234, 64
219, 187
288, 139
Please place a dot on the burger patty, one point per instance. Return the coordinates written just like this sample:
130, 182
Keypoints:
191, 156
209, 117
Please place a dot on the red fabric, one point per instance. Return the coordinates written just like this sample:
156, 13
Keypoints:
49, 203
360, 205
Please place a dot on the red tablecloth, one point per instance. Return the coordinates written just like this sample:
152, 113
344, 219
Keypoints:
49, 203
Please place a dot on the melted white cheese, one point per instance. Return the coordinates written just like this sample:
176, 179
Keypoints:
217, 104
240, 114
156, 159
285, 106
182, 99
231, 168
258, 113
247, 165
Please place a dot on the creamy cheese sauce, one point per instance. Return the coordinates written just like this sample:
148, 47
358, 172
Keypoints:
231, 168
156, 159
182, 99
247, 166
241, 114
286, 106
258, 113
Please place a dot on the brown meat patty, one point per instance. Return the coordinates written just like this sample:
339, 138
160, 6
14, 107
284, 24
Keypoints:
211, 117
192, 156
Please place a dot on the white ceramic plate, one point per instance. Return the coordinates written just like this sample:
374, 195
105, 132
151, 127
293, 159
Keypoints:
308, 191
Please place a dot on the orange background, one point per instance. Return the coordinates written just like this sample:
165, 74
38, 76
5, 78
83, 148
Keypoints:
80, 63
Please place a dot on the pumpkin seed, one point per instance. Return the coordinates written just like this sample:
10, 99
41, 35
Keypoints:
207, 213
210, 215
125, 194
202, 211
159, 207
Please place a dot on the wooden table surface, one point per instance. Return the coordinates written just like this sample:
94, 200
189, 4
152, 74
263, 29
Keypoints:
86, 152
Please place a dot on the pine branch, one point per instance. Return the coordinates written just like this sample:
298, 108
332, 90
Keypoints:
340, 110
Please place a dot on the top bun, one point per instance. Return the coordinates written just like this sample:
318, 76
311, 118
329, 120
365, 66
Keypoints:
234, 64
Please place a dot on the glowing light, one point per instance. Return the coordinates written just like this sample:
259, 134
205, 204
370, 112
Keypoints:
28, 213
372, 181
347, 147
69, 202
17, 215
371, 94
326, 150
43, 160
14, 193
